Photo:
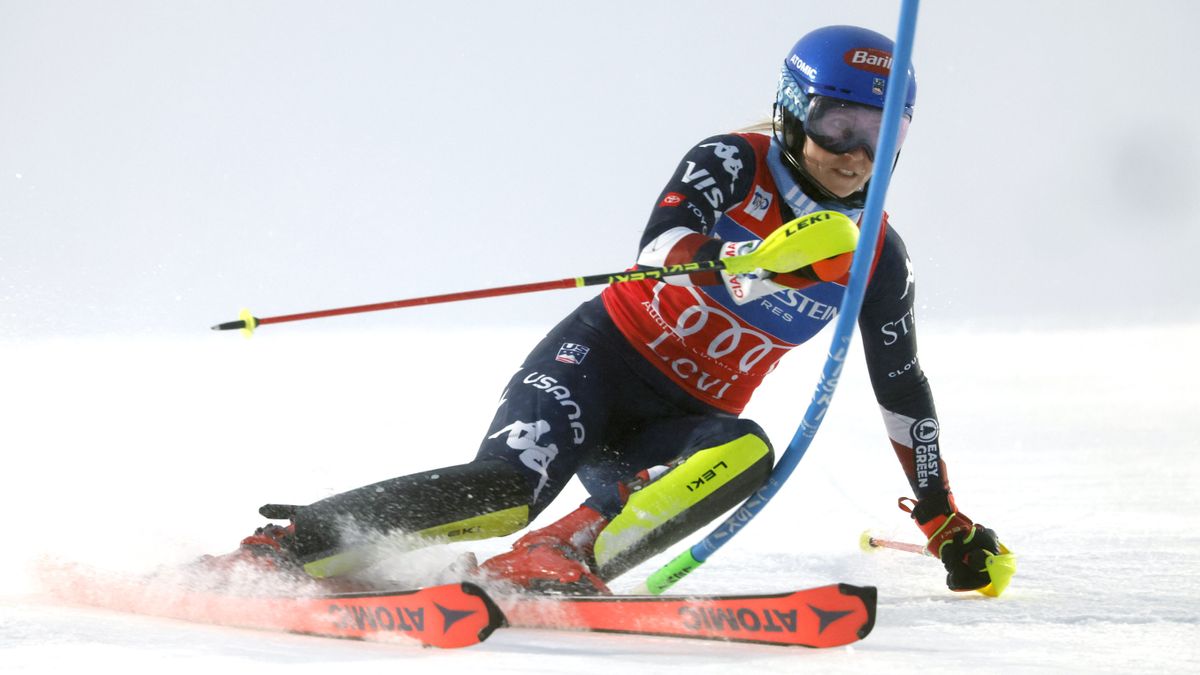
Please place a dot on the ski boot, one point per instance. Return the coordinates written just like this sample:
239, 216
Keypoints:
265, 551
555, 559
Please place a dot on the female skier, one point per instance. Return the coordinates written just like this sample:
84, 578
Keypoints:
639, 390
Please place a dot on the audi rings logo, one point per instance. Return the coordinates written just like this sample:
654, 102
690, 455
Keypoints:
926, 430
730, 335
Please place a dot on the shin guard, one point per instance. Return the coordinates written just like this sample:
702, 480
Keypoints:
675, 504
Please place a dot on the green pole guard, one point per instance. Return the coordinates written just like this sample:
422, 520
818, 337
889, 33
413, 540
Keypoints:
683, 564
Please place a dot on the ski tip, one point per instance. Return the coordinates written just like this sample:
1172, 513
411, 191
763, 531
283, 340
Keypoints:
869, 596
495, 617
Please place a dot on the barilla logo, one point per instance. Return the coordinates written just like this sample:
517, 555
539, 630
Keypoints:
809, 71
870, 60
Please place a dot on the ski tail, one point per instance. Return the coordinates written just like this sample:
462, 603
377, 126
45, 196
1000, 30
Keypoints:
828, 616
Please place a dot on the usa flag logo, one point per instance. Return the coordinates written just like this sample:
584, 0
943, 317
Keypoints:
571, 353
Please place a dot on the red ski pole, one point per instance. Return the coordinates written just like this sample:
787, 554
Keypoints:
801, 242
247, 322
868, 542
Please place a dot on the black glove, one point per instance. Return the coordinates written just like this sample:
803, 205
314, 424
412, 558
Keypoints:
961, 545
965, 557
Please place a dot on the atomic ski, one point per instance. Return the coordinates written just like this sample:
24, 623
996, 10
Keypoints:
450, 615
828, 616
463, 614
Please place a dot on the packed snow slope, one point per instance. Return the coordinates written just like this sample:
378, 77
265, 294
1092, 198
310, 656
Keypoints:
1077, 447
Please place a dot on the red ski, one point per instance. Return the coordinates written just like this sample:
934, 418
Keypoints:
451, 615
462, 614
829, 616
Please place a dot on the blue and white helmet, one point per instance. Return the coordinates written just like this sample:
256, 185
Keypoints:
844, 62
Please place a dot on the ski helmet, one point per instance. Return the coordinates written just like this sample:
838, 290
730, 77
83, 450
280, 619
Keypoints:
831, 90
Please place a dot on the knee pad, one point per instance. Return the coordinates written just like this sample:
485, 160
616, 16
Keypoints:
708, 483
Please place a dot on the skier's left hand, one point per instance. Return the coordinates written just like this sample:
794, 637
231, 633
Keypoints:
962, 545
965, 556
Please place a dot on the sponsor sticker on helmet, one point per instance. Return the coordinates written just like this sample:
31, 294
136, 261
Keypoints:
799, 64
871, 60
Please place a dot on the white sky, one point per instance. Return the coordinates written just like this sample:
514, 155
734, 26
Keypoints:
163, 164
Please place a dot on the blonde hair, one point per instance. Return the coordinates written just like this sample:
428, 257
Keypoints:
763, 126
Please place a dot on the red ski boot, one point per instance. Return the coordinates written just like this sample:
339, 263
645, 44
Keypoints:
269, 542
265, 550
556, 558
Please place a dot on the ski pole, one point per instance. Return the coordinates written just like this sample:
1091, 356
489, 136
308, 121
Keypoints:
893, 107
798, 243
1000, 566
247, 322
869, 542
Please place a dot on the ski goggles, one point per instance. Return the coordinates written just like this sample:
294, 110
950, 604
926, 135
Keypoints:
841, 126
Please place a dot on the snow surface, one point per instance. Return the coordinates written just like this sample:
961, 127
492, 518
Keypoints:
1077, 447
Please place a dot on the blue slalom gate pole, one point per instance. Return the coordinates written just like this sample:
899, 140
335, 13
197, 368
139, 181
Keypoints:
864, 254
